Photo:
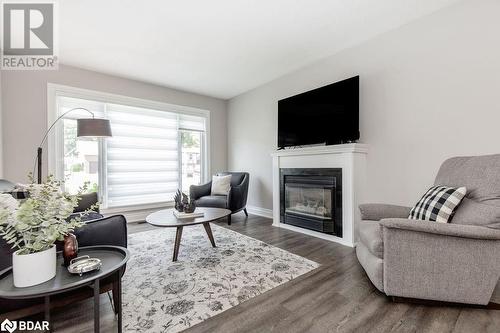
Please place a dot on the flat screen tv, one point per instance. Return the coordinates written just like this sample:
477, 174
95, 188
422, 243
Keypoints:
327, 115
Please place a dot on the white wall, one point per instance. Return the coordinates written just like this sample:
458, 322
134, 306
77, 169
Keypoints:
428, 91
24, 103
1, 131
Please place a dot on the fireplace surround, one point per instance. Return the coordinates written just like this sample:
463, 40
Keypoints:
311, 198
351, 160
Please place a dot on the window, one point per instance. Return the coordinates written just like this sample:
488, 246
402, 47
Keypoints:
153, 152
191, 137
80, 159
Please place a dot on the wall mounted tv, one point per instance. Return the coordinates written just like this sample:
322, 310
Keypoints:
327, 115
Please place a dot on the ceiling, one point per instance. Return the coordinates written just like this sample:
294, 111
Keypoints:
220, 48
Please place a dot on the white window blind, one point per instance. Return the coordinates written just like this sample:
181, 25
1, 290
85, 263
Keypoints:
142, 156
191, 123
141, 163
65, 104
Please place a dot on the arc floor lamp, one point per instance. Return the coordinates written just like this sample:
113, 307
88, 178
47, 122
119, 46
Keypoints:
86, 127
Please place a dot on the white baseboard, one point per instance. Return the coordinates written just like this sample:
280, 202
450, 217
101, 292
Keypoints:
264, 212
138, 215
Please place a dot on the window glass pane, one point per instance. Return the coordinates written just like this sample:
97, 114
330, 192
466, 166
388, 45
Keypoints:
191, 159
81, 162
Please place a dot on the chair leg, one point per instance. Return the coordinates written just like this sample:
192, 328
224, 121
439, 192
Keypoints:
245, 210
229, 219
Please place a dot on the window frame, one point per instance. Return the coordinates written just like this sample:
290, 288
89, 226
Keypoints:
55, 142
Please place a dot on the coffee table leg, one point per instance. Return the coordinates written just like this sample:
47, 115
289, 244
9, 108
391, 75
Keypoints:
209, 233
96, 305
177, 244
47, 311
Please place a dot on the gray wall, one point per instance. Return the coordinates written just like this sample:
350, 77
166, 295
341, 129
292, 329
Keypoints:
24, 103
429, 90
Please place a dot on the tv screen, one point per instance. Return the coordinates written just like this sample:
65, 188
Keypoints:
327, 115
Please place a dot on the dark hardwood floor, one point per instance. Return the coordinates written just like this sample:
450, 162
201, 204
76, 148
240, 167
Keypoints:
336, 297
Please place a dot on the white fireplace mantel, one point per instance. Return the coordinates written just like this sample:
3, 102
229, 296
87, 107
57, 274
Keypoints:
351, 158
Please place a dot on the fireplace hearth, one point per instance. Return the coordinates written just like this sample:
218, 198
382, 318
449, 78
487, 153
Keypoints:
312, 199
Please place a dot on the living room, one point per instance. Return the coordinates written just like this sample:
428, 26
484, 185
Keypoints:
342, 158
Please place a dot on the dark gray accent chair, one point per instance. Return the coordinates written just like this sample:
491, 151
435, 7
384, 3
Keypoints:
455, 262
235, 201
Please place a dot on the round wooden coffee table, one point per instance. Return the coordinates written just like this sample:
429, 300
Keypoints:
166, 218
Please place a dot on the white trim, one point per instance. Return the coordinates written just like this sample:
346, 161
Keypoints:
136, 213
105, 97
351, 158
264, 212
317, 150
53, 90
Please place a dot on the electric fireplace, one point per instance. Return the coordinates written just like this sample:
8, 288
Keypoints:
312, 199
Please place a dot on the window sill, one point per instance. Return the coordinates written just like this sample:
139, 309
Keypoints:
136, 213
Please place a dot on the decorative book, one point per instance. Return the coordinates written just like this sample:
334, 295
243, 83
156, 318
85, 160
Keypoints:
182, 215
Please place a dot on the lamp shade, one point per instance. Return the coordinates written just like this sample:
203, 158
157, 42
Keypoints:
93, 127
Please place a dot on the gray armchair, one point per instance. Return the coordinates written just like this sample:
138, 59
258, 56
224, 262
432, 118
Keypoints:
235, 201
454, 262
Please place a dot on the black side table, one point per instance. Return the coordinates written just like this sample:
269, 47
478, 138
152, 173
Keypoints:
113, 260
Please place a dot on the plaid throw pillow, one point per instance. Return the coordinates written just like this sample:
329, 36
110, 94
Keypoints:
438, 204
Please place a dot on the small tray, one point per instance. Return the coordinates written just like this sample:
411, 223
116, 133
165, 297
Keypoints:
84, 264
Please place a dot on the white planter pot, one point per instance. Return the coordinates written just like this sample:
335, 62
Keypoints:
34, 268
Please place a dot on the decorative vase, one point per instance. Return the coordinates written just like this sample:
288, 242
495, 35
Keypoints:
179, 206
70, 250
34, 268
190, 207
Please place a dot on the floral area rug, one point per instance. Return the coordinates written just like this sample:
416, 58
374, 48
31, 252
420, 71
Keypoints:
162, 296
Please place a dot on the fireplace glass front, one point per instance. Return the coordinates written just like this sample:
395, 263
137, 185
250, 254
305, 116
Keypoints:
308, 201
312, 199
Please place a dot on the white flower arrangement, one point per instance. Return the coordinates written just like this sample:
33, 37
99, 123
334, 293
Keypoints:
36, 223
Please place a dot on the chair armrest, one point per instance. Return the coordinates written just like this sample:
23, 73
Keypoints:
86, 202
235, 198
376, 212
443, 229
86, 217
198, 191
107, 231
440, 261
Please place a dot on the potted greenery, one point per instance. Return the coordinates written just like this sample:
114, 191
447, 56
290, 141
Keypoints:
32, 226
